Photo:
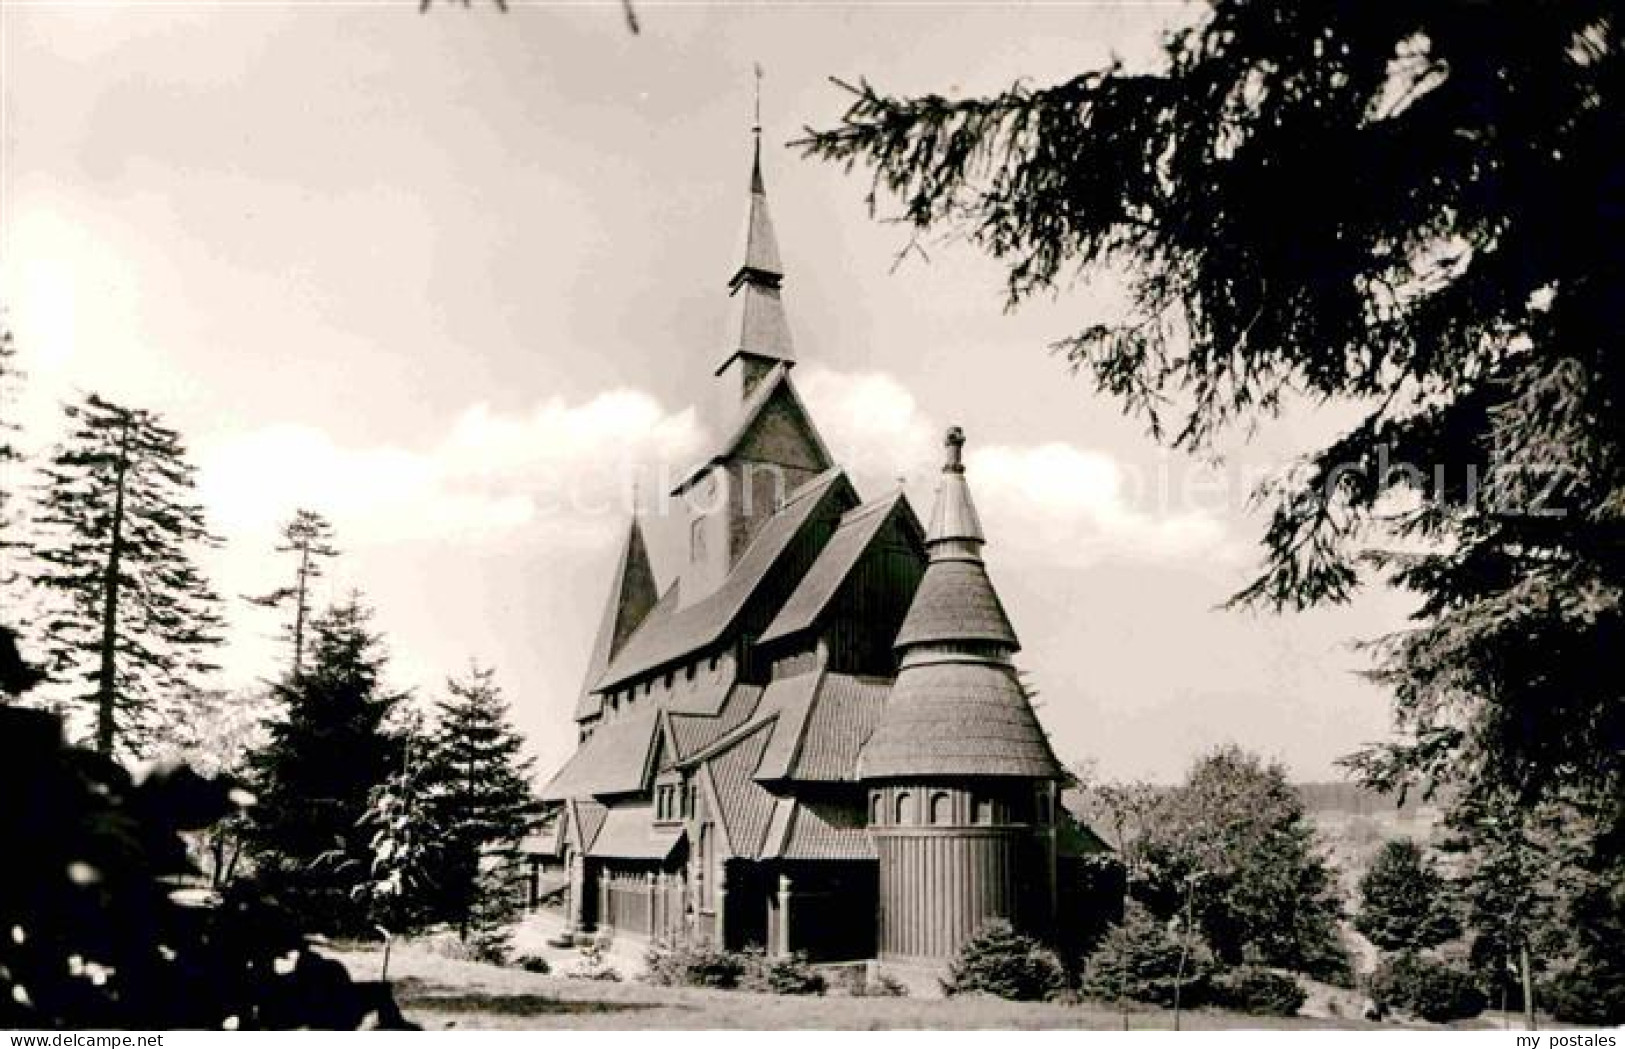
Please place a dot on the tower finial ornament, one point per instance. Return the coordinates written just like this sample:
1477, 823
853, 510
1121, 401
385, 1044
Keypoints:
954, 441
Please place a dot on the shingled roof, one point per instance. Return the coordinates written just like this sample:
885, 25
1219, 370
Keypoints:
628, 834
960, 718
956, 708
615, 759
586, 820
692, 733
743, 806
857, 531
956, 602
806, 830
670, 633
844, 716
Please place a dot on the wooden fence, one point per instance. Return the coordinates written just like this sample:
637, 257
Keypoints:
643, 903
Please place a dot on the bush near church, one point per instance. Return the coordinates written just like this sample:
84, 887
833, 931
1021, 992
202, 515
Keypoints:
1258, 992
1002, 962
689, 963
1139, 959
1428, 988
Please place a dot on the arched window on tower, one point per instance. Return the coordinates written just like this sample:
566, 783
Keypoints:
984, 809
877, 808
941, 808
905, 808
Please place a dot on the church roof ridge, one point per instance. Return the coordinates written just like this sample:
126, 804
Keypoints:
670, 637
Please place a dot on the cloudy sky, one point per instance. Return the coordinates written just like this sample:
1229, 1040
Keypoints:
456, 279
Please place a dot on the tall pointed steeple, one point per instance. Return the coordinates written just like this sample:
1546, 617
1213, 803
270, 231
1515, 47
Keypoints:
631, 596
957, 707
758, 333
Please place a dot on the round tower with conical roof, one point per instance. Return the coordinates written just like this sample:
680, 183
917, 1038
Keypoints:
962, 784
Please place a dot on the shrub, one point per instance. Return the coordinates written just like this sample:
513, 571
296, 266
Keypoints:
791, 975
1139, 960
533, 963
1428, 988
885, 985
691, 964
594, 965
1259, 992
855, 981
1590, 993
1000, 961
493, 946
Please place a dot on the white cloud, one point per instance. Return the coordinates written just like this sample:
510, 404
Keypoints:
563, 468
1071, 505
1055, 502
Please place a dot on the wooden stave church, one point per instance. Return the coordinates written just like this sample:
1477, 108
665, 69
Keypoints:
815, 739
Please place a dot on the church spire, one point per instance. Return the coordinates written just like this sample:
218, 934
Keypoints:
631, 595
957, 708
758, 333
956, 604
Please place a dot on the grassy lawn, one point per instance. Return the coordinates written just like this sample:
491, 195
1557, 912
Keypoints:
438, 992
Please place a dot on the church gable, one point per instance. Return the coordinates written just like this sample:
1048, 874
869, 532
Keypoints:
856, 594
781, 432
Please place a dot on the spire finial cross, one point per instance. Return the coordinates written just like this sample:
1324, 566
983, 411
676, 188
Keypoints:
756, 128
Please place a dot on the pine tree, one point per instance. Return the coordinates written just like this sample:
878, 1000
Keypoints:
479, 803
308, 536
325, 754
1408, 208
134, 617
1405, 904
11, 455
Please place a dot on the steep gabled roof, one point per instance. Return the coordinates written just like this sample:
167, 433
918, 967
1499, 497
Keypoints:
629, 833
843, 718
615, 759
692, 733
586, 820
632, 595
679, 632
789, 701
1075, 835
858, 530
809, 830
775, 384
744, 807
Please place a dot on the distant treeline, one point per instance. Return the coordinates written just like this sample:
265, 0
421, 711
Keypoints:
1356, 800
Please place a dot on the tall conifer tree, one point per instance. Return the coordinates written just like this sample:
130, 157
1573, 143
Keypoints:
308, 536
325, 754
11, 455
118, 531
479, 803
